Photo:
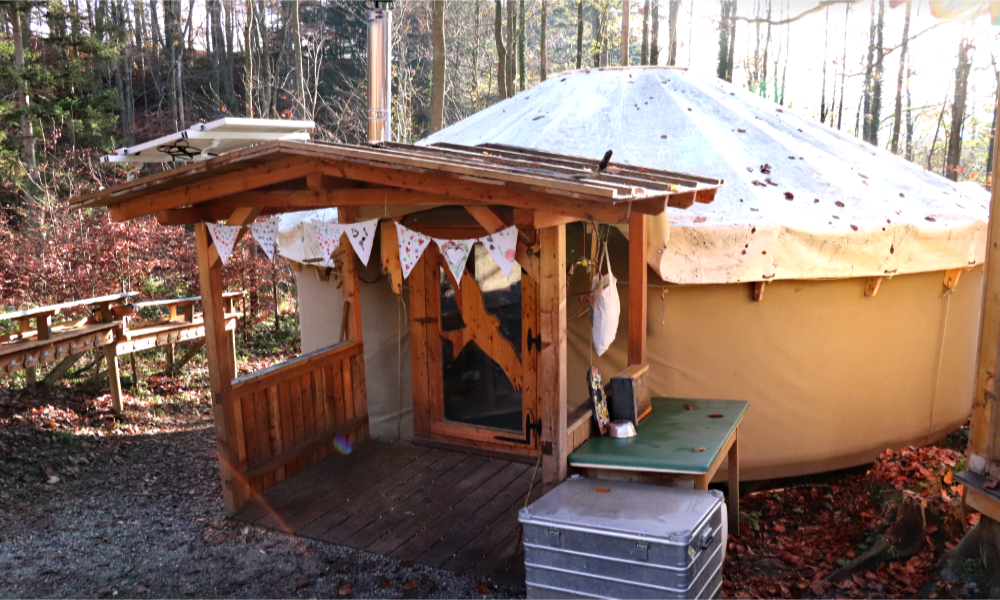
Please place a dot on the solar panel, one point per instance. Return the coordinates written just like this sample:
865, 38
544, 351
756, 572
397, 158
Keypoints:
205, 140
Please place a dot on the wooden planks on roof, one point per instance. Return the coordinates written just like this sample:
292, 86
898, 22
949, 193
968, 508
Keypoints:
283, 176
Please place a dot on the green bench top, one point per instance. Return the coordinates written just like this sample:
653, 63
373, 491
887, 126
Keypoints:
667, 438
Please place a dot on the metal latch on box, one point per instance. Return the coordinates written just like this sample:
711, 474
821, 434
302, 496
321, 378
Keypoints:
642, 551
555, 538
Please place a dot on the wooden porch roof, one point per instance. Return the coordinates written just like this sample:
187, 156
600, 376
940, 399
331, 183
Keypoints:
285, 176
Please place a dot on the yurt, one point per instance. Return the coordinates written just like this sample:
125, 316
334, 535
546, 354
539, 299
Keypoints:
833, 285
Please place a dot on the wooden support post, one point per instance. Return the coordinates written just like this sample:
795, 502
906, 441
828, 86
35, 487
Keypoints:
733, 498
114, 378
227, 414
552, 380
169, 351
59, 370
229, 307
187, 356
135, 369
638, 241
31, 376
351, 286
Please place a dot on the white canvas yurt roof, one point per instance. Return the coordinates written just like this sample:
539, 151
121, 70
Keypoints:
801, 200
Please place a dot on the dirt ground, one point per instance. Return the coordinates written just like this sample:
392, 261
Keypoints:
96, 506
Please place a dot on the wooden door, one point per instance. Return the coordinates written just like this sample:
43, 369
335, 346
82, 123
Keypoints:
481, 353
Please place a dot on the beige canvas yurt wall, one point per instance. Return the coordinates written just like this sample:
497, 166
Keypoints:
833, 377
387, 346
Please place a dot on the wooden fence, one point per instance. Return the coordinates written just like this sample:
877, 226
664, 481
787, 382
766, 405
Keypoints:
292, 411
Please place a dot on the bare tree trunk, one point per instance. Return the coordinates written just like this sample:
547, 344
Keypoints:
869, 73
217, 55
826, 46
876, 108
909, 117
437, 66
511, 46
958, 109
154, 22
673, 10
228, 72
897, 116
937, 129
300, 75
248, 49
598, 29
625, 32
722, 67
732, 41
843, 68
18, 29
521, 75
501, 51
654, 34
543, 58
579, 34
644, 51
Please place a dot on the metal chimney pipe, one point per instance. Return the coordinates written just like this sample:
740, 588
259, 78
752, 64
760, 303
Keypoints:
379, 75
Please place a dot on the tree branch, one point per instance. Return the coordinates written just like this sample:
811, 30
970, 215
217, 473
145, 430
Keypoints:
822, 5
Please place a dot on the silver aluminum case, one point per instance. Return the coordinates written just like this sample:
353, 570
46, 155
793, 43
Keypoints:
633, 541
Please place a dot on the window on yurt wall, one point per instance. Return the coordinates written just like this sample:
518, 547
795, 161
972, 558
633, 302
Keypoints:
475, 388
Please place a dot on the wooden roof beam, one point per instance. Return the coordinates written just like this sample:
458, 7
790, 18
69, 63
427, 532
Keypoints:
477, 191
219, 186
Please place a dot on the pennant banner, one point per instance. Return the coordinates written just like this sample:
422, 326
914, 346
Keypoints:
502, 246
266, 233
455, 253
411, 247
224, 237
362, 237
328, 238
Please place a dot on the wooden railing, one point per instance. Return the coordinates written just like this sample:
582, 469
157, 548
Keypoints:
289, 414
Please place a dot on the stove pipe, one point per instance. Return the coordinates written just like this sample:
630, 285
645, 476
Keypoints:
379, 74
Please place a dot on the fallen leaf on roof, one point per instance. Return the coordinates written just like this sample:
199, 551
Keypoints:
602, 490
688, 406
345, 591
742, 130
482, 590
700, 449
411, 585
789, 196
839, 203
613, 170
715, 416
931, 219
301, 584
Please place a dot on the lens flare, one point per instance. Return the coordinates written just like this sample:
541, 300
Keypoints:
343, 445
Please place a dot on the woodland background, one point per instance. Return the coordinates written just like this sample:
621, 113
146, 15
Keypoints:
79, 78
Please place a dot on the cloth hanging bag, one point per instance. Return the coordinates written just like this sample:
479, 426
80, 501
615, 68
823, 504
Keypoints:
605, 309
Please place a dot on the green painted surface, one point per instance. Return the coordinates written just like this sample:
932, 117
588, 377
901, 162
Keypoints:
667, 438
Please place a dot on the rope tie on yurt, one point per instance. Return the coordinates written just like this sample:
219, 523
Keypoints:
937, 376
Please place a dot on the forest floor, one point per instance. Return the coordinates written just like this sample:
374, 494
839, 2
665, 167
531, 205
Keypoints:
92, 505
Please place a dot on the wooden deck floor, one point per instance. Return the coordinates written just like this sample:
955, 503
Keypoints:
446, 509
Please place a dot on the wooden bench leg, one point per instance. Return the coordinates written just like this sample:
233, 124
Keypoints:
31, 376
114, 382
169, 349
733, 499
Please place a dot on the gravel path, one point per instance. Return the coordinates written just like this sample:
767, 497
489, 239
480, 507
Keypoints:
141, 516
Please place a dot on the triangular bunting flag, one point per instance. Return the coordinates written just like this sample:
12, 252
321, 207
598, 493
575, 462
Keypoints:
328, 238
224, 237
455, 253
502, 246
266, 232
411, 247
362, 237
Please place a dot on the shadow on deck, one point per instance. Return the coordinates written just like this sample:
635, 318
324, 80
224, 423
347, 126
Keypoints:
446, 509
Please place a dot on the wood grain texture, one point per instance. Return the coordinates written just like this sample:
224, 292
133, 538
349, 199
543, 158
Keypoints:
552, 383
638, 243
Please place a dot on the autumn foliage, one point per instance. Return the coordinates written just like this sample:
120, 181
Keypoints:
57, 254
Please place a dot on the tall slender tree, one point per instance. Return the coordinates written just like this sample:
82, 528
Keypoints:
543, 58
501, 50
897, 115
722, 69
521, 74
19, 27
958, 106
674, 8
437, 66
579, 34
876, 105
654, 34
625, 33
644, 51
843, 68
826, 45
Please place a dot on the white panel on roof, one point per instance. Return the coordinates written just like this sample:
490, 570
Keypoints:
205, 140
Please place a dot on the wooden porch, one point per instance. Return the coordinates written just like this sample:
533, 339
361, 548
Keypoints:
446, 509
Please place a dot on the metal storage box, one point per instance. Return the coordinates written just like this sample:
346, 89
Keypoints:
591, 538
